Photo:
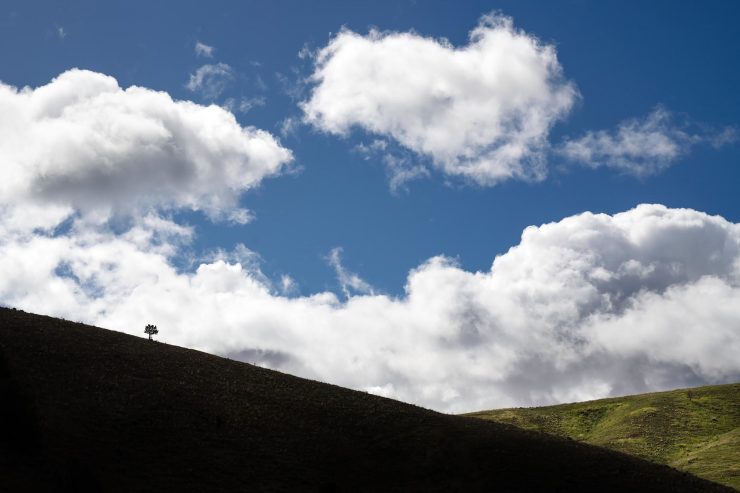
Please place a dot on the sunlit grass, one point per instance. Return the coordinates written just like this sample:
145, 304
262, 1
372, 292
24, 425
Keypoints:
694, 430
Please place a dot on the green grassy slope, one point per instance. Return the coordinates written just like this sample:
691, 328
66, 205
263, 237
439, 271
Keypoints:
695, 430
87, 409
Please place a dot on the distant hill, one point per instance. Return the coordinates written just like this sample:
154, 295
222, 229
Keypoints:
695, 430
87, 409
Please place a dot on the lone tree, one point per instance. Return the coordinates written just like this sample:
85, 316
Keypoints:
151, 330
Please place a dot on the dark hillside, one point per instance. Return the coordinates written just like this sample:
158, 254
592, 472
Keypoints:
87, 409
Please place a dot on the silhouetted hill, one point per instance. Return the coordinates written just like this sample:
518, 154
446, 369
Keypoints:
696, 430
87, 409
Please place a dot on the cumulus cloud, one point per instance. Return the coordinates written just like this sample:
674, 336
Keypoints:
590, 306
81, 142
641, 147
211, 79
482, 111
202, 49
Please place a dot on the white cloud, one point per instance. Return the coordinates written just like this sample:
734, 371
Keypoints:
367, 150
586, 307
211, 80
288, 285
482, 111
350, 282
244, 104
241, 216
306, 52
82, 142
726, 136
401, 170
401, 166
292, 85
202, 49
289, 126
641, 147
61, 32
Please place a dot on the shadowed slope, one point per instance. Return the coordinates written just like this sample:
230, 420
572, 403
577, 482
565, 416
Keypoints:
92, 409
695, 430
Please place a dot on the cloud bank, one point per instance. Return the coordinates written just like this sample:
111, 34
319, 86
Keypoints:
482, 111
591, 306
83, 142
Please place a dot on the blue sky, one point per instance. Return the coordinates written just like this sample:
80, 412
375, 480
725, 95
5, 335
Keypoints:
625, 58
626, 62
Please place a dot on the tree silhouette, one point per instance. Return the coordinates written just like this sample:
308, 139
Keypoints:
151, 330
